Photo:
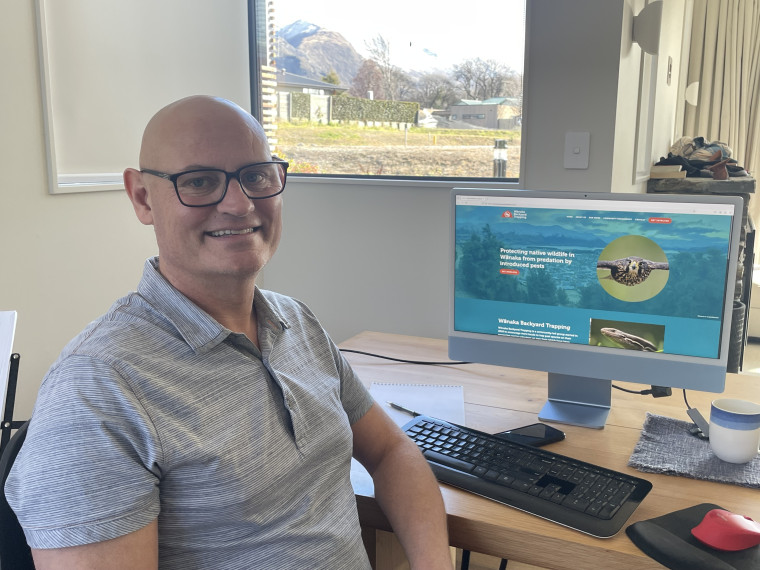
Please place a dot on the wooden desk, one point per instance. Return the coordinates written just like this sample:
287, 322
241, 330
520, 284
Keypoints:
501, 398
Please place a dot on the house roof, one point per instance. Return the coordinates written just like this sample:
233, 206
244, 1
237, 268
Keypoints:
492, 101
495, 101
292, 80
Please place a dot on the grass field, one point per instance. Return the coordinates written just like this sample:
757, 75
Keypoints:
350, 149
353, 135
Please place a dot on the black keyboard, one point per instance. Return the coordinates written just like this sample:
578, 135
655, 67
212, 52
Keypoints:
567, 491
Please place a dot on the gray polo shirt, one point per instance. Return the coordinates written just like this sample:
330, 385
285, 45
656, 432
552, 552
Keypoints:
156, 410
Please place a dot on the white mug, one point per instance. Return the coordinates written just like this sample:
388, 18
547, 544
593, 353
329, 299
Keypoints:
735, 429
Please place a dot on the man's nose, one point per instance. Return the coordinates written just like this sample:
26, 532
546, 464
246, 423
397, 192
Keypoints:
235, 200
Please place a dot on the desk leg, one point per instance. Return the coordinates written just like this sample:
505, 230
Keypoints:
369, 537
385, 551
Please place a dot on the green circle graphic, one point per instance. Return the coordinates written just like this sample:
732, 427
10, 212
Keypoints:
625, 250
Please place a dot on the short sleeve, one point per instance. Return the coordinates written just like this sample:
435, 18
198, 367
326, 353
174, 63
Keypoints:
89, 469
355, 397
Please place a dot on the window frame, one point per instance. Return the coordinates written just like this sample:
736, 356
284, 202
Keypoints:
257, 31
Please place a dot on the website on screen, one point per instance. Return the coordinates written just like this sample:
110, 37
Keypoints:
646, 276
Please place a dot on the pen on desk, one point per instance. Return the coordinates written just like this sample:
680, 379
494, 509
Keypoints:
403, 409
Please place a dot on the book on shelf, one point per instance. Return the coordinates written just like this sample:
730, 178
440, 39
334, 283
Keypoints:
667, 171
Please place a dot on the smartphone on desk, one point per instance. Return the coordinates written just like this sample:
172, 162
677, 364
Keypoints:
535, 434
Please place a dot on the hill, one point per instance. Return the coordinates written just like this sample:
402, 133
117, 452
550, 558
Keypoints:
310, 51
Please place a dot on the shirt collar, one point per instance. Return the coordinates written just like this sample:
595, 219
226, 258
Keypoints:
199, 329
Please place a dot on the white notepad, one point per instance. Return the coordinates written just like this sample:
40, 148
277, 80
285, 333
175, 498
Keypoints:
439, 401
7, 332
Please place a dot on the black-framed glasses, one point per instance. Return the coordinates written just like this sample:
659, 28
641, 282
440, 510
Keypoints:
208, 186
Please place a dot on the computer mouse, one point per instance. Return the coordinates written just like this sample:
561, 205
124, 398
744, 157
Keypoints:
724, 530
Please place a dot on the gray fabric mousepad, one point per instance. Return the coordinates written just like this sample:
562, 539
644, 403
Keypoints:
666, 446
668, 540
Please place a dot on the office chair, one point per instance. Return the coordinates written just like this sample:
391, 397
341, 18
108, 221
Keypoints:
15, 554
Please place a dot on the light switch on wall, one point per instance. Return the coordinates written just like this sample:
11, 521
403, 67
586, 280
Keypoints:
576, 149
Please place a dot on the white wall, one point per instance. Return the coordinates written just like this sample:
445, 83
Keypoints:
366, 256
583, 73
573, 56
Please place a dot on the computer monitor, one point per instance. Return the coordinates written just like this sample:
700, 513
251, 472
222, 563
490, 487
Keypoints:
594, 287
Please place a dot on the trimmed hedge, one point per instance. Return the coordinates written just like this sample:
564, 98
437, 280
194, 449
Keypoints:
299, 105
347, 108
353, 109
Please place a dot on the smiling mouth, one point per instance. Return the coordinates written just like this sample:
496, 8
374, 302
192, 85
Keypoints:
222, 233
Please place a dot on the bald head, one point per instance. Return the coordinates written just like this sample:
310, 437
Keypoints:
190, 123
226, 242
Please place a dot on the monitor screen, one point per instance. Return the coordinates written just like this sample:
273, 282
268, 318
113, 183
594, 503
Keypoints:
594, 287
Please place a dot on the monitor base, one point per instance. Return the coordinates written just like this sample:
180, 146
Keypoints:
583, 415
577, 400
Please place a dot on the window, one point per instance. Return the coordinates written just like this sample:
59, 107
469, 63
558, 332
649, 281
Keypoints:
388, 92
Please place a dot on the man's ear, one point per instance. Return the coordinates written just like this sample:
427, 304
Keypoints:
138, 195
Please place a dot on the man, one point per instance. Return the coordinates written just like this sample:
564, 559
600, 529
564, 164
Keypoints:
203, 423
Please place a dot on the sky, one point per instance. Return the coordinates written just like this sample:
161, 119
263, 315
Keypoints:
433, 34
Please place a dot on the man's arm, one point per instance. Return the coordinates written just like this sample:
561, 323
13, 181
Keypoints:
134, 551
405, 488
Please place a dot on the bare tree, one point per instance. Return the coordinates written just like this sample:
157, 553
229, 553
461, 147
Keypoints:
514, 88
466, 76
436, 90
380, 52
483, 79
368, 78
514, 85
406, 89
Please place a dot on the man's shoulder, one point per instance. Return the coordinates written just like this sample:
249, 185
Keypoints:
287, 306
277, 298
291, 312
129, 317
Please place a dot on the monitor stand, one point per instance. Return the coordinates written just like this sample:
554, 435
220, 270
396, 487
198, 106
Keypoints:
577, 400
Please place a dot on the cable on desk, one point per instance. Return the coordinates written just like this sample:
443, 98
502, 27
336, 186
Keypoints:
655, 391
427, 363
688, 407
